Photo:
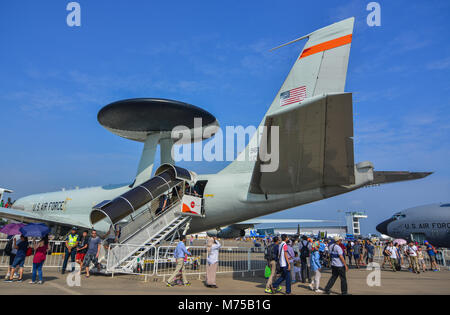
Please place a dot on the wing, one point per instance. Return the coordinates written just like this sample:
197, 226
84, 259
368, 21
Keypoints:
263, 221
29, 217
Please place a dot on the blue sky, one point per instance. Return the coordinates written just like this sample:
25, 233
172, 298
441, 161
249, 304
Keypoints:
214, 54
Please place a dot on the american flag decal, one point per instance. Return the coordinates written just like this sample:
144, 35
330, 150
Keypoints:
293, 96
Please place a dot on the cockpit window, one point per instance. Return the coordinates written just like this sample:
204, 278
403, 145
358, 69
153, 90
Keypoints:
398, 216
446, 205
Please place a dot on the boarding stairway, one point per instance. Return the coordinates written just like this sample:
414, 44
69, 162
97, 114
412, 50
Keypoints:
145, 227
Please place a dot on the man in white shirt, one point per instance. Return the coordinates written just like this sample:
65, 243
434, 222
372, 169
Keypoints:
285, 266
393, 255
412, 253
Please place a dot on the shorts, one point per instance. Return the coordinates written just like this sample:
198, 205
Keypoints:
433, 258
80, 256
18, 261
11, 259
90, 258
356, 256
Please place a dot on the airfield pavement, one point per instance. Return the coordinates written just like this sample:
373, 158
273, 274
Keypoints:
403, 282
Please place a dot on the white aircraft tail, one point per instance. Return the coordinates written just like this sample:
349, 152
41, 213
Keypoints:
321, 68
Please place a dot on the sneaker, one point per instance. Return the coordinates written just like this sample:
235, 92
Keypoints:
187, 284
32, 282
268, 291
19, 280
311, 287
16, 276
40, 282
279, 289
8, 280
318, 291
7, 276
168, 284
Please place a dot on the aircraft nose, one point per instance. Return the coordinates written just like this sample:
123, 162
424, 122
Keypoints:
382, 227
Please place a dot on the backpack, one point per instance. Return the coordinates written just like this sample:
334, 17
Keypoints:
304, 251
269, 252
385, 252
8, 247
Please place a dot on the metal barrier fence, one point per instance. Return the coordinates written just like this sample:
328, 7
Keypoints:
231, 259
55, 255
159, 261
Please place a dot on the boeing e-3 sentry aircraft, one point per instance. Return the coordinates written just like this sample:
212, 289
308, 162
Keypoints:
429, 222
315, 120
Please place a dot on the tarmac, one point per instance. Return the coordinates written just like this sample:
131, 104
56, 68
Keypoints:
391, 283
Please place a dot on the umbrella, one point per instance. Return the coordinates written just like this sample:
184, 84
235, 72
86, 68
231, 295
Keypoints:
35, 230
12, 228
399, 241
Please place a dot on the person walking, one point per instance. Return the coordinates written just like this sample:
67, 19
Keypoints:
386, 255
82, 249
421, 259
19, 260
370, 252
412, 254
212, 262
283, 258
179, 254
272, 260
93, 251
357, 253
315, 267
304, 249
432, 254
70, 249
291, 255
349, 246
393, 256
40, 253
338, 267
11, 250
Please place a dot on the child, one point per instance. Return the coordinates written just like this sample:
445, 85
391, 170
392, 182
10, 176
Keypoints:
421, 259
297, 268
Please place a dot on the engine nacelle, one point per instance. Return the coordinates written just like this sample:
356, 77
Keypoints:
228, 232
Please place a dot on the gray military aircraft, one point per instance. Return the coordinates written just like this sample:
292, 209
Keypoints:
429, 222
315, 120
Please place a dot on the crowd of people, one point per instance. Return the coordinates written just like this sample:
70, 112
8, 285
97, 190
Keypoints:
411, 255
289, 259
6, 204
81, 249
303, 259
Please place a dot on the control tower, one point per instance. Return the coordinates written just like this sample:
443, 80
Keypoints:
352, 219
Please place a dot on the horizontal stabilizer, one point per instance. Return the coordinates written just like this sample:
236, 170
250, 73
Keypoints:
385, 177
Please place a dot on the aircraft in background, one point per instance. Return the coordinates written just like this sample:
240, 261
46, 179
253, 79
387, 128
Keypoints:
315, 120
429, 222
